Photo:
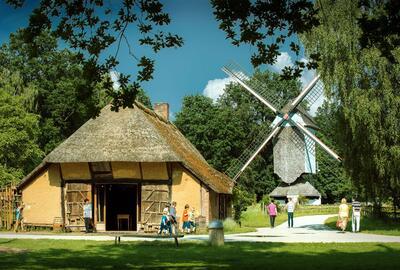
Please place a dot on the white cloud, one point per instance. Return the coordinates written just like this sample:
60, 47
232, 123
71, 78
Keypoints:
307, 75
282, 61
215, 88
114, 78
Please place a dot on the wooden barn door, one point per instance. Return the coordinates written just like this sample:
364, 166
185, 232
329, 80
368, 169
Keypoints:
154, 199
75, 195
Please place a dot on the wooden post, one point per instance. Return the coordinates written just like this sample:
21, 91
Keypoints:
216, 233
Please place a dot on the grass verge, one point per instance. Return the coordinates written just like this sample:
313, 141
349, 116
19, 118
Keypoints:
371, 225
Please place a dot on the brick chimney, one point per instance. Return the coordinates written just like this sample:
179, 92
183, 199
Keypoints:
162, 109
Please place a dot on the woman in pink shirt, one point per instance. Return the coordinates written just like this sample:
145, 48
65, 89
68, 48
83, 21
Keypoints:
271, 209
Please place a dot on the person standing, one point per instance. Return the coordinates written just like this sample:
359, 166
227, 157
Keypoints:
19, 218
173, 218
192, 219
87, 215
185, 219
272, 212
343, 215
165, 224
356, 214
290, 206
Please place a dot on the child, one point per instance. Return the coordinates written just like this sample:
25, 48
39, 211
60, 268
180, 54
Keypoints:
192, 216
18, 218
185, 219
165, 224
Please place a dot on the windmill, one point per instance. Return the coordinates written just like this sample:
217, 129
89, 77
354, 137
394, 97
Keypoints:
291, 132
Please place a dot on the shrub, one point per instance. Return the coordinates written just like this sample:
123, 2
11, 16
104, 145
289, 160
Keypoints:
230, 224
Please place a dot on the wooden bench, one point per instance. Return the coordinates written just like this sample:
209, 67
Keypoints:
154, 236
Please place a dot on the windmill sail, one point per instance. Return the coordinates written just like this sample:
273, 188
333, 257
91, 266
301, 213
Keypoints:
315, 93
240, 164
257, 88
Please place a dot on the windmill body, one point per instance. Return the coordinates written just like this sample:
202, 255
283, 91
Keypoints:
292, 133
294, 153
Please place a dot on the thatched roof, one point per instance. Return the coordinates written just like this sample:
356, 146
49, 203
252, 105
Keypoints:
135, 135
303, 189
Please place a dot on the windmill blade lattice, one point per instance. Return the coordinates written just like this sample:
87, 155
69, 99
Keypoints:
315, 93
297, 138
259, 87
240, 162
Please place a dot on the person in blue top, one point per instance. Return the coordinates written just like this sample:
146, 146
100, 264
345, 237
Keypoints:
19, 218
87, 215
165, 223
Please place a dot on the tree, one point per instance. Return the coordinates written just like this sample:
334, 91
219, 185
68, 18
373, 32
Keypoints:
19, 132
91, 27
366, 86
61, 96
331, 179
268, 25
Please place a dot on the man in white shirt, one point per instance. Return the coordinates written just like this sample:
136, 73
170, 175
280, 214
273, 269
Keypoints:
290, 206
87, 215
356, 214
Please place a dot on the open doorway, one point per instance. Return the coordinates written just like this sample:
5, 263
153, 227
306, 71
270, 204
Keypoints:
121, 210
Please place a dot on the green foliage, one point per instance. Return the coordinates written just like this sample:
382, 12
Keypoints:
267, 25
19, 131
365, 86
52, 85
331, 180
241, 200
302, 200
143, 98
91, 27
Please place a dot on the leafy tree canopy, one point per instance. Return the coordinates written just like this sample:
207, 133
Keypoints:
364, 85
268, 25
91, 27
59, 92
19, 151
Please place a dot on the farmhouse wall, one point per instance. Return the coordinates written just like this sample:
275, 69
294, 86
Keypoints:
76, 170
42, 197
186, 189
126, 170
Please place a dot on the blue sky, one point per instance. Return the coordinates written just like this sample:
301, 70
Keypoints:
194, 68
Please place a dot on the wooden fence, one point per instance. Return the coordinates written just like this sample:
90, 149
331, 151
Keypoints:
9, 200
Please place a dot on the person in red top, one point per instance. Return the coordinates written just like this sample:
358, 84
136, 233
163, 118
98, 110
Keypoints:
272, 212
185, 219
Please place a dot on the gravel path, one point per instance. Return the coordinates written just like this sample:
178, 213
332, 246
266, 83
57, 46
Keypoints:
308, 229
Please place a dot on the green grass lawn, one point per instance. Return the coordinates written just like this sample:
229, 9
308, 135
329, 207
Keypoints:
371, 225
39, 254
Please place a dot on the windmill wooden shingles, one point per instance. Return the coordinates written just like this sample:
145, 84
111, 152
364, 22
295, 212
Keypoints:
128, 163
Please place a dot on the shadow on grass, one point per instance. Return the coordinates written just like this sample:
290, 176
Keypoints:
99, 255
